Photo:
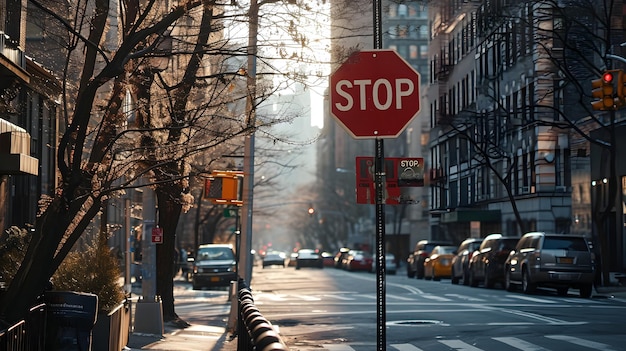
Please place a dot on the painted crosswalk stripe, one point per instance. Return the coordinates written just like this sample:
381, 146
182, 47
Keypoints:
437, 298
396, 297
581, 342
465, 297
337, 347
340, 297
532, 299
520, 344
405, 347
459, 345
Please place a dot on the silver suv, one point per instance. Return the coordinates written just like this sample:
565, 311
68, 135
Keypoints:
214, 265
557, 261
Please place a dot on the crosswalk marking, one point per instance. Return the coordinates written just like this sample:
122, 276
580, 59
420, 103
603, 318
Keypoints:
460, 345
437, 298
520, 344
337, 347
581, 342
396, 297
405, 347
465, 297
532, 299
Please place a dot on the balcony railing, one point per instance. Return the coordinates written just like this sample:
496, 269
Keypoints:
10, 49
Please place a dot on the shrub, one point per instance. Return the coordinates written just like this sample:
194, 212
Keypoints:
13, 244
94, 270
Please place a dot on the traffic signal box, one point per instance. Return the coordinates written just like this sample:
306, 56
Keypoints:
609, 91
224, 188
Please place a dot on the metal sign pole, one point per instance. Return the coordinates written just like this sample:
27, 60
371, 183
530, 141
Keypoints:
380, 205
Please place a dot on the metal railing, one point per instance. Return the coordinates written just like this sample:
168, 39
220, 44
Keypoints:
28, 334
260, 335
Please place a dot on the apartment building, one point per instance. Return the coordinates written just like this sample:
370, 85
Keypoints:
505, 91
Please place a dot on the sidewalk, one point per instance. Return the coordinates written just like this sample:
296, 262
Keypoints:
193, 338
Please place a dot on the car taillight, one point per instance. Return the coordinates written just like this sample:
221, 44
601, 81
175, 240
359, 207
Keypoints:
424, 254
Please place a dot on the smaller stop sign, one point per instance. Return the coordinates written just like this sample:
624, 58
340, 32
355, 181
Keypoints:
374, 94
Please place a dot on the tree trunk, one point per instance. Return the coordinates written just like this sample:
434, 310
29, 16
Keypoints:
169, 213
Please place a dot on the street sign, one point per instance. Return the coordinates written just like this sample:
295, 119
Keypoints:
157, 235
400, 173
375, 94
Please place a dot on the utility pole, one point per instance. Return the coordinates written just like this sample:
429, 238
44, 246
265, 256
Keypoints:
248, 159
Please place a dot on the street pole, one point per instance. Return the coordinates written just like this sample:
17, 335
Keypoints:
248, 159
379, 182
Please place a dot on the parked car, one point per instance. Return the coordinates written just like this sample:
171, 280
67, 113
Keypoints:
214, 265
274, 258
552, 260
439, 264
292, 259
309, 258
328, 258
460, 262
487, 263
358, 260
340, 256
391, 265
415, 262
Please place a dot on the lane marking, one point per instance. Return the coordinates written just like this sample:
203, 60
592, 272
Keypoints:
459, 345
581, 342
405, 347
519, 344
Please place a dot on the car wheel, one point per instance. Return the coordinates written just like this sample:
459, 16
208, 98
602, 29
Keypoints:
410, 273
585, 290
527, 286
562, 291
508, 285
466, 277
489, 284
419, 275
473, 282
453, 278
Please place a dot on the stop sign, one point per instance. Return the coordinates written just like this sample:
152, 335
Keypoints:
374, 94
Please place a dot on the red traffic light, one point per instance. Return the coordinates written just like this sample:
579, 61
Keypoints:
607, 77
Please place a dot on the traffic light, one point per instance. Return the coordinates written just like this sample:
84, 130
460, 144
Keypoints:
224, 187
621, 88
602, 91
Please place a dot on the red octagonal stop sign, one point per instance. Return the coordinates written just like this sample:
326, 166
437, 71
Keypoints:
374, 94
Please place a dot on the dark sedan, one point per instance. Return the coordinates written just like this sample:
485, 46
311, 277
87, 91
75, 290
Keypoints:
309, 258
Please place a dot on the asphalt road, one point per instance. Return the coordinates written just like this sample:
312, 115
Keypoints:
334, 310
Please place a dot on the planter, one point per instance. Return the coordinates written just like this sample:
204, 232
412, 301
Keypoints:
111, 331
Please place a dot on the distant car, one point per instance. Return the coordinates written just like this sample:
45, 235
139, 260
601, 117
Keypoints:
274, 258
415, 262
390, 264
309, 258
557, 261
292, 259
214, 265
358, 260
328, 258
460, 262
340, 256
487, 263
439, 264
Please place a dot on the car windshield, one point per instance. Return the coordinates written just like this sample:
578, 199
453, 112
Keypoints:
446, 249
215, 253
571, 244
307, 254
